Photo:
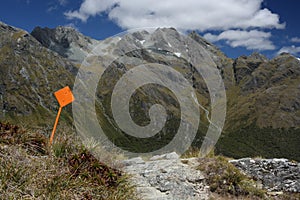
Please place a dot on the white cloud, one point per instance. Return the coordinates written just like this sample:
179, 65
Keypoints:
291, 49
90, 8
295, 39
188, 14
239, 19
52, 8
252, 40
76, 14
63, 2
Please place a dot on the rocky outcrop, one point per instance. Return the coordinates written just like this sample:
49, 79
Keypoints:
167, 177
245, 65
274, 174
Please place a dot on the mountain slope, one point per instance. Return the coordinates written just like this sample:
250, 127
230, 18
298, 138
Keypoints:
268, 90
262, 95
29, 74
263, 116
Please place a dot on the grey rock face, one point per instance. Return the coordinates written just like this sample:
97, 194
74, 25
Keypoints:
275, 174
66, 41
166, 177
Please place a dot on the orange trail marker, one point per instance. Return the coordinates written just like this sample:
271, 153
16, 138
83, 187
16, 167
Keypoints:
64, 97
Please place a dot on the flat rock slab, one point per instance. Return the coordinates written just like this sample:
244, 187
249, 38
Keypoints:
167, 177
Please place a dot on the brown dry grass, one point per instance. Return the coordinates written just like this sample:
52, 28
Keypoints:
29, 169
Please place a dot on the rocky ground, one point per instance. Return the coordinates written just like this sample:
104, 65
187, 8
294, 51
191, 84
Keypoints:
275, 174
167, 177
170, 177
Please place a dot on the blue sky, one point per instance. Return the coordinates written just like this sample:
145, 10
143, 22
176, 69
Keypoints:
238, 27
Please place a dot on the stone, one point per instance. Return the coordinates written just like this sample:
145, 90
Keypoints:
137, 160
169, 156
167, 177
275, 174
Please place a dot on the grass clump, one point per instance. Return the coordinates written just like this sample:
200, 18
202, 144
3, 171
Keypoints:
85, 166
29, 169
225, 179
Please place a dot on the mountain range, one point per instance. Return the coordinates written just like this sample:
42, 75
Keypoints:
263, 95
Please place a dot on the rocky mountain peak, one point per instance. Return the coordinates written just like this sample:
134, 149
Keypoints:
284, 58
6, 27
16, 35
206, 44
245, 65
199, 39
66, 41
258, 57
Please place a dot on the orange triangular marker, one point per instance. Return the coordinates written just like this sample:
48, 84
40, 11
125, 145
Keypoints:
64, 97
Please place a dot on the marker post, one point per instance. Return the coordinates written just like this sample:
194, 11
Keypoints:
64, 97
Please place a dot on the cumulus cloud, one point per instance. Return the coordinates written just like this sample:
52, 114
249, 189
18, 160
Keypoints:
290, 49
188, 14
295, 39
91, 8
239, 19
252, 40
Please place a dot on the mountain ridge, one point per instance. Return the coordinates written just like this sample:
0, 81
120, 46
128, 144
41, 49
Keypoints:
263, 94
29, 75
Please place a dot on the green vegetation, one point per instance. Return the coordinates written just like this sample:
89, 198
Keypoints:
140, 104
266, 142
224, 178
228, 182
29, 75
29, 169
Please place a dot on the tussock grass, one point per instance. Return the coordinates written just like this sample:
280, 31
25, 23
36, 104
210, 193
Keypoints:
224, 179
226, 182
30, 169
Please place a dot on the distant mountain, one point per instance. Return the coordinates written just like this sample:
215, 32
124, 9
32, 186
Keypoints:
29, 74
267, 91
66, 41
263, 116
263, 96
